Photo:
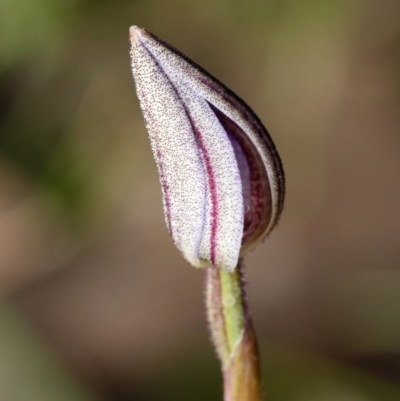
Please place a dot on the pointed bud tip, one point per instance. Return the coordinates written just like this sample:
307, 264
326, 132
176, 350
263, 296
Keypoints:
134, 35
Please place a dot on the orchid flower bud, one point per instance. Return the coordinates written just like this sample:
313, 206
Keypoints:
221, 176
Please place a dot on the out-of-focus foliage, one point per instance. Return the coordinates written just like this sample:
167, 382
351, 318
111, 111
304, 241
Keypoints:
84, 253
288, 375
32, 28
28, 370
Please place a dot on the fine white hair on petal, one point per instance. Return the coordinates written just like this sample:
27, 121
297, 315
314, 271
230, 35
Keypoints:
221, 177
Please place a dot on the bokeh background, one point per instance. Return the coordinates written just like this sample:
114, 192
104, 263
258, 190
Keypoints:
96, 303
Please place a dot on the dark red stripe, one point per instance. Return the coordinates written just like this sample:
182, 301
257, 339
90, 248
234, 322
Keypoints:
212, 188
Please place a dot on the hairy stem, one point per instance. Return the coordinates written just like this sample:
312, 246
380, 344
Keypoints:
232, 334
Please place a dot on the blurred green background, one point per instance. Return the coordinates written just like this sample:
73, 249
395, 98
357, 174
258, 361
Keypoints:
97, 304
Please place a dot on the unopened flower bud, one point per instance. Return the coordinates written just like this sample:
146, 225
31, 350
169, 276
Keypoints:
221, 176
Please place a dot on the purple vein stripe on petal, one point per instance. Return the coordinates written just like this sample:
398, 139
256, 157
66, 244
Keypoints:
213, 190
165, 190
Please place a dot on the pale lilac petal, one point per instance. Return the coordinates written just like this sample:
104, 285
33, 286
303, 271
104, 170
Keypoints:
176, 153
223, 226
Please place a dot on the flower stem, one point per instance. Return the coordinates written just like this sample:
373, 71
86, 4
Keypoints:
232, 333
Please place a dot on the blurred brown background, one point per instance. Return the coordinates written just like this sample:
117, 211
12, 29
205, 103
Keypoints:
97, 304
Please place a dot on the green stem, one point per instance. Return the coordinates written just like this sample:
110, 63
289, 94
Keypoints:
232, 334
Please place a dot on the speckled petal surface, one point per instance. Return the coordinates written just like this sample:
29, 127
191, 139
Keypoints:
176, 153
221, 177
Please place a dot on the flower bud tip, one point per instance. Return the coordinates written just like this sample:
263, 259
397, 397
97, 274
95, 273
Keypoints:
134, 33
